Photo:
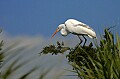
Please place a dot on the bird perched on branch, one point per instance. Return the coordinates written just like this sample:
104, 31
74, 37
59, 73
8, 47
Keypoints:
77, 28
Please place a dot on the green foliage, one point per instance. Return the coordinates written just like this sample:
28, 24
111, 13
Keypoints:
88, 62
7, 56
55, 49
1, 53
79, 54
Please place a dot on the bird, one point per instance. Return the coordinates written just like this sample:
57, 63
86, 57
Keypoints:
77, 28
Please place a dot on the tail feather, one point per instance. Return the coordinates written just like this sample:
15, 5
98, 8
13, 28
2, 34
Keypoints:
92, 36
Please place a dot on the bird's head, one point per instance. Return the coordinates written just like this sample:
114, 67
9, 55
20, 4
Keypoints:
58, 29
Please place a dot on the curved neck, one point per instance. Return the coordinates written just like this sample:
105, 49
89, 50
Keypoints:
64, 31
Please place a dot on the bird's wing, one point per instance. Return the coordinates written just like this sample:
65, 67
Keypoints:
78, 24
83, 25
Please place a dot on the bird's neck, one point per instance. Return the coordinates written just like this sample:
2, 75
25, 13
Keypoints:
64, 31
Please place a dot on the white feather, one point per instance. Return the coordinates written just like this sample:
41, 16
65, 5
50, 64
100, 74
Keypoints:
79, 28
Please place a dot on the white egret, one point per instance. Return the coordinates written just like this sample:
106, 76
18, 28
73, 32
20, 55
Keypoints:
77, 28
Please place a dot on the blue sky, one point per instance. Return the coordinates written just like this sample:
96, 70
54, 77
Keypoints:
41, 17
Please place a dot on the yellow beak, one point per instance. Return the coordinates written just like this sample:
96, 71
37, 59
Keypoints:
55, 33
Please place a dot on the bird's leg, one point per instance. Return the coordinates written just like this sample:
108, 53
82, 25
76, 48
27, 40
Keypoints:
78, 44
80, 40
85, 40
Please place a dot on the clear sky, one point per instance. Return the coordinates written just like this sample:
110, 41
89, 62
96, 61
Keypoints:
41, 17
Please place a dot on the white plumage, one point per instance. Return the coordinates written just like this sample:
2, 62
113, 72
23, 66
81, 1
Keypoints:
77, 28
